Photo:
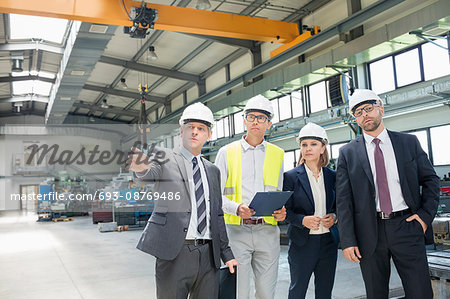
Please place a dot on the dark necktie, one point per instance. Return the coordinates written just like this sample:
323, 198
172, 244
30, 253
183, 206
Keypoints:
199, 197
382, 183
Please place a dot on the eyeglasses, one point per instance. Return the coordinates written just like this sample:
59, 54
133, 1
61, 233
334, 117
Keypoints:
251, 118
369, 108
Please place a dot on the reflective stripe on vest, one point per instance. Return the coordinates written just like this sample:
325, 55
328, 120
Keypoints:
273, 160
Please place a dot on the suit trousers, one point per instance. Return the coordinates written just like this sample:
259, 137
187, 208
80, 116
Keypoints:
257, 250
405, 243
191, 273
319, 256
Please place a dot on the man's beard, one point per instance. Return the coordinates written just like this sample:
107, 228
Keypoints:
370, 127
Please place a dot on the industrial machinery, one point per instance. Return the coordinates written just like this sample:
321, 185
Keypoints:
123, 202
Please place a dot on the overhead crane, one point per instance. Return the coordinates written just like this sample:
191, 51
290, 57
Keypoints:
165, 17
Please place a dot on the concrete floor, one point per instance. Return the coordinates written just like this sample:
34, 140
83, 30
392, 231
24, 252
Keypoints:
74, 260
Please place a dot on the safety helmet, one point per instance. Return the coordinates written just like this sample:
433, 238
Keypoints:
313, 131
197, 112
360, 96
259, 103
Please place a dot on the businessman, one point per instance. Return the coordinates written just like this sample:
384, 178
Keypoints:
186, 232
387, 194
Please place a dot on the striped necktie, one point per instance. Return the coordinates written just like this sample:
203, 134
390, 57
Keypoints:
383, 188
199, 197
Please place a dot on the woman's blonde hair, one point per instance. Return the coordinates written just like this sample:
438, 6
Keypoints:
323, 160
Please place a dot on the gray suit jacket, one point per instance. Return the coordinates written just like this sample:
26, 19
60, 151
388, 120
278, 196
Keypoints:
166, 230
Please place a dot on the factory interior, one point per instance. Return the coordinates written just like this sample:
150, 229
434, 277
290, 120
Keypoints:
81, 82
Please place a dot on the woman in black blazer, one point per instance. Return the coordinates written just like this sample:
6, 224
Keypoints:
311, 216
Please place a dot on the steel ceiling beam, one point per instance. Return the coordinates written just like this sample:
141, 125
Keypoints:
25, 78
26, 98
123, 93
299, 49
145, 68
36, 45
235, 42
305, 10
119, 111
171, 18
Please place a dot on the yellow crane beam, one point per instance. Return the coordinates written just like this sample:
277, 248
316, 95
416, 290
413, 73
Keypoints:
170, 18
297, 40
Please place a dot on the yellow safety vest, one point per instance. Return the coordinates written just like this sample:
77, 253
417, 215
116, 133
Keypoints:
273, 162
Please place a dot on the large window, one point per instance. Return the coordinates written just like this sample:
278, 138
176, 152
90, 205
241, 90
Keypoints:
238, 122
440, 144
423, 62
318, 97
422, 136
407, 67
276, 116
435, 60
297, 104
335, 150
222, 128
289, 160
285, 107
382, 75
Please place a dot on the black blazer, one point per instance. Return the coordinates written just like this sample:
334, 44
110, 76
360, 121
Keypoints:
301, 203
355, 190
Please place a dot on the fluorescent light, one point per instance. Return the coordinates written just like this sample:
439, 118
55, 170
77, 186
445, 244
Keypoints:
28, 27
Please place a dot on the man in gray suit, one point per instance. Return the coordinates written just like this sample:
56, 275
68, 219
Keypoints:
186, 232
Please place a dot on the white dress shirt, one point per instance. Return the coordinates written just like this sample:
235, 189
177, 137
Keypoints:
320, 198
192, 232
390, 163
252, 174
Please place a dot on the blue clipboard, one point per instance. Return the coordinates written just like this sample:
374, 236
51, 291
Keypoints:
265, 203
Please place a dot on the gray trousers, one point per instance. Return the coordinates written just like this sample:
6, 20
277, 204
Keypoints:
192, 273
257, 250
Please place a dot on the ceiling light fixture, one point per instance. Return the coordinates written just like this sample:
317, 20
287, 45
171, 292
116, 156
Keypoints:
203, 4
123, 83
17, 65
104, 104
18, 105
151, 53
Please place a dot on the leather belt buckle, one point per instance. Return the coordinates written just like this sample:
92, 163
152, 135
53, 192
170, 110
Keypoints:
384, 215
196, 242
252, 221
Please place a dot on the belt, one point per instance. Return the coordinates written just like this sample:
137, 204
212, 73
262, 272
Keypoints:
253, 221
384, 216
197, 242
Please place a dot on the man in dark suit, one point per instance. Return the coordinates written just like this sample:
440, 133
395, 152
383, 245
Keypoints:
387, 194
186, 232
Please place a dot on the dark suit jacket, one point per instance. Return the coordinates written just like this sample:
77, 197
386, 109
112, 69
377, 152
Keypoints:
166, 230
355, 190
301, 203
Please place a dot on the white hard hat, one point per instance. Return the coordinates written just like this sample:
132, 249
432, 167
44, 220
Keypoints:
362, 95
313, 131
197, 112
259, 103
